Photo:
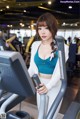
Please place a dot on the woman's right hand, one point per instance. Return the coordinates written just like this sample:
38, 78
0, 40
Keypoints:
42, 89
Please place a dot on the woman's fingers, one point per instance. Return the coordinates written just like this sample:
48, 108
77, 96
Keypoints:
42, 89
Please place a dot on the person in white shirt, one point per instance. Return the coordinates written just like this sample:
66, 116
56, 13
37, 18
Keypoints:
45, 60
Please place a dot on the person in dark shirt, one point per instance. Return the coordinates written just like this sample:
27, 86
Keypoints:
2, 42
13, 43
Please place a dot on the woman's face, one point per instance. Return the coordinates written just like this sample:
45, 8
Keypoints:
44, 33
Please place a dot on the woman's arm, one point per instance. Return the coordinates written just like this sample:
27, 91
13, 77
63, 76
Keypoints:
56, 74
33, 68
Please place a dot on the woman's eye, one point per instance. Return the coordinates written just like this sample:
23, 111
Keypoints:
42, 28
46, 28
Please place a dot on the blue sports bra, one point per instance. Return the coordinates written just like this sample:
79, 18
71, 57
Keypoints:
45, 66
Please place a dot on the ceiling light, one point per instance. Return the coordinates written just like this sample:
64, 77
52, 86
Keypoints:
75, 24
22, 25
7, 7
9, 25
70, 7
24, 10
49, 2
19, 4
71, 24
29, 27
63, 24
1, 10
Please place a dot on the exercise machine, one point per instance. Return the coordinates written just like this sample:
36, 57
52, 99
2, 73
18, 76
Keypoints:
12, 78
13, 72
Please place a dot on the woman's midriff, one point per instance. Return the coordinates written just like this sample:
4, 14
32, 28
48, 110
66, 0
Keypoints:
46, 76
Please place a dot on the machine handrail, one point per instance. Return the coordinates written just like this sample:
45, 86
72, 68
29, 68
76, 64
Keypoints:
60, 43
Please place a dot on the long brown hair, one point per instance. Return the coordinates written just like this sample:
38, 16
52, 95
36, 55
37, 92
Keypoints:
49, 20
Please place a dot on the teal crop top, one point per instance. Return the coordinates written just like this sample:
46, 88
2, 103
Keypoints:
46, 66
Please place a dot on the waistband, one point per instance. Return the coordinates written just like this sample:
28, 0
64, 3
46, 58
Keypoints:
46, 76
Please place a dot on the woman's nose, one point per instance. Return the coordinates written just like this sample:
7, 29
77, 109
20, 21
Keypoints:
43, 31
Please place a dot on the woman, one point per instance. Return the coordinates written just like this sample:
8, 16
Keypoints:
45, 60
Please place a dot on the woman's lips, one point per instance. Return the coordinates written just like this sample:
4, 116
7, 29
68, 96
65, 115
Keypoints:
43, 36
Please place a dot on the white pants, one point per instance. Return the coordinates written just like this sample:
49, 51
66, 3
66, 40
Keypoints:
52, 93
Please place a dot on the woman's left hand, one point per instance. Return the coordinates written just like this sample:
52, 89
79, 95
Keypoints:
42, 89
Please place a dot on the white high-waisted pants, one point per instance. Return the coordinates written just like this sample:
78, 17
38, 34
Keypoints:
52, 93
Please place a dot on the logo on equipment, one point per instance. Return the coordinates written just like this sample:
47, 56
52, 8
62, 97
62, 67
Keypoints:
3, 116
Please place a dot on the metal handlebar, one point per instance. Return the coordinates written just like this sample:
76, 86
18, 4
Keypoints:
60, 43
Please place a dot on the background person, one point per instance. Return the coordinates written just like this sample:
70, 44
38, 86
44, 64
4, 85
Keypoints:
2, 41
45, 60
13, 43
